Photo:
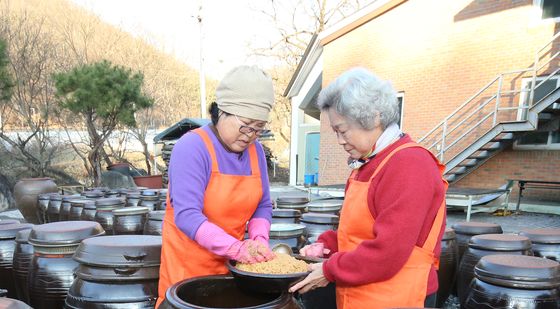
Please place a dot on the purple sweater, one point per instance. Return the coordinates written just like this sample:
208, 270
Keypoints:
189, 172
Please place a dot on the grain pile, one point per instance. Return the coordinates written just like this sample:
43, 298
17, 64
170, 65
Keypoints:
281, 264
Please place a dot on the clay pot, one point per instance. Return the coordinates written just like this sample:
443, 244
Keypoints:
26, 192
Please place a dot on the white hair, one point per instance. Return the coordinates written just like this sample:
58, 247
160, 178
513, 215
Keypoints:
359, 95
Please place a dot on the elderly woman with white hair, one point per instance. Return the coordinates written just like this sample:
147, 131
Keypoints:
385, 251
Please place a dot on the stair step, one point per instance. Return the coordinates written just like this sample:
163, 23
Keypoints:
459, 170
478, 156
503, 137
492, 146
470, 163
450, 177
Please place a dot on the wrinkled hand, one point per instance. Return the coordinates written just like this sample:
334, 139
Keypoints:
250, 252
316, 279
314, 250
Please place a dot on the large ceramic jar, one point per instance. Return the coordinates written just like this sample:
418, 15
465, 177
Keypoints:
154, 223
221, 292
318, 223
116, 272
285, 215
483, 245
8, 234
26, 192
43, 205
89, 211
448, 264
149, 199
129, 220
133, 198
287, 233
546, 242
515, 281
465, 230
53, 210
51, 271
104, 213
22, 257
64, 213
76, 208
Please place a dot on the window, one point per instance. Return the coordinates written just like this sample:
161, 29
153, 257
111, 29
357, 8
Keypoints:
548, 9
400, 98
547, 134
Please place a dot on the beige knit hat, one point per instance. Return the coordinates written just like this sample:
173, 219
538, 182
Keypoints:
246, 91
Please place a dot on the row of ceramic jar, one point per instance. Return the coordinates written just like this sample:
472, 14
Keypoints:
72, 264
303, 205
505, 280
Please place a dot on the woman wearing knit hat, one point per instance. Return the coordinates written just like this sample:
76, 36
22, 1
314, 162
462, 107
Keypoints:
218, 182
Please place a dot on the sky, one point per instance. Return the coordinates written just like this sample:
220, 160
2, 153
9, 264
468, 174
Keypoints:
228, 27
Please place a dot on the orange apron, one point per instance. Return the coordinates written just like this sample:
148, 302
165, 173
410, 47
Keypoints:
408, 287
229, 202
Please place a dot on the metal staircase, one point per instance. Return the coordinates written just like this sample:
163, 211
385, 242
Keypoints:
495, 117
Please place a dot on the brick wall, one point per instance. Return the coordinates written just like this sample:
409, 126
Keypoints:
439, 53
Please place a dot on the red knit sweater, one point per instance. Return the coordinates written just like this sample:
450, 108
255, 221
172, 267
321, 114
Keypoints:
404, 199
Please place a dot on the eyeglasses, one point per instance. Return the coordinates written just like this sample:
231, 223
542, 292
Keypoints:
247, 130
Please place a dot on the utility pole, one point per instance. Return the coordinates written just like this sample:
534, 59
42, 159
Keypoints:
201, 69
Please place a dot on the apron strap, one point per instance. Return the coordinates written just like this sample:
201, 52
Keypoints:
388, 157
209, 146
255, 170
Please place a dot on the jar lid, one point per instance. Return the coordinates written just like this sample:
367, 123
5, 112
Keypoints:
102, 189
93, 194
500, 242
335, 203
292, 200
519, 271
9, 231
81, 202
135, 194
46, 196
56, 197
22, 237
90, 204
120, 250
70, 197
9, 221
65, 233
286, 213
127, 211
543, 236
476, 228
448, 234
312, 217
149, 192
109, 202
286, 229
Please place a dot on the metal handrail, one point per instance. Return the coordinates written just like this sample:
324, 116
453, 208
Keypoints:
442, 140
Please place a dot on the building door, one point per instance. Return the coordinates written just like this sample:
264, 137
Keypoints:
312, 140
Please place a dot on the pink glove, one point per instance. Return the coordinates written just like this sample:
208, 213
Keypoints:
249, 251
259, 229
314, 250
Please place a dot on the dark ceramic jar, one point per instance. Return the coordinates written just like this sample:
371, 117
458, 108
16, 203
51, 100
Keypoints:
515, 281
93, 194
129, 220
8, 234
317, 224
89, 211
53, 210
9, 303
287, 233
221, 292
42, 206
465, 230
149, 199
154, 223
26, 192
285, 215
22, 257
133, 198
104, 213
448, 264
292, 202
65, 206
112, 193
546, 242
483, 245
116, 272
51, 271
325, 206
76, 208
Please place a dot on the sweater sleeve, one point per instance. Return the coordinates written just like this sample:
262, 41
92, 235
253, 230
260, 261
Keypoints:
189, 173
402, 193
264, 209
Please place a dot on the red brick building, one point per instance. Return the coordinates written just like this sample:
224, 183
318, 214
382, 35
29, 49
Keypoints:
464, 70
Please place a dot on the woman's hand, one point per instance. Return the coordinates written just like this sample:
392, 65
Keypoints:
314, 250
250, 252
316, 279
